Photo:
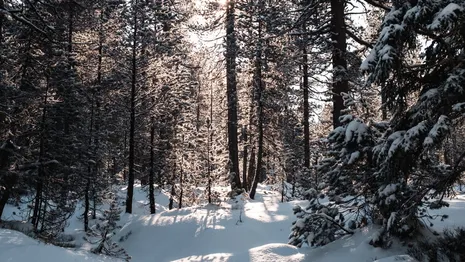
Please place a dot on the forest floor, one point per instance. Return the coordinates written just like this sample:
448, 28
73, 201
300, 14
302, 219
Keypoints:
238, 230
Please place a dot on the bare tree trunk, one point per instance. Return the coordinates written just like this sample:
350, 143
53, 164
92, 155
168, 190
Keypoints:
86, 205
41, 173
231, 51
209, 144
181, 189
133, 113
305, 88
9, 179
244, 159
251, 171
258, 83
89, 173
2, 6
97, 117
152, 168
339, 40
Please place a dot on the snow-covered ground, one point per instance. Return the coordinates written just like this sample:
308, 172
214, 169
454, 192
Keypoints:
241, 230
15, 246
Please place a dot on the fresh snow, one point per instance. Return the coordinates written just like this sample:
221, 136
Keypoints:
15, 246
445, 14
234, 230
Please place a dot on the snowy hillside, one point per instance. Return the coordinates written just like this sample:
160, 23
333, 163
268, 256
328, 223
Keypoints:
242, 230
15, 246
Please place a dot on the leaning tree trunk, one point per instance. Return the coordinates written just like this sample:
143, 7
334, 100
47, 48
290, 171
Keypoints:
339, 40
231, 93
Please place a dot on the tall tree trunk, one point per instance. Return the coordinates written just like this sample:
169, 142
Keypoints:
87, 204
2, 6
209, 144
133, 114
251, 171
244, 159
5, 195
181, 188
9, 179
97, 116
231, 93
152, 167
339, 40
258, 83
305, 88
89, 173
41, 171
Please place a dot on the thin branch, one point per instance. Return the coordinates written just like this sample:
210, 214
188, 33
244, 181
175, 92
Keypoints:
358, 40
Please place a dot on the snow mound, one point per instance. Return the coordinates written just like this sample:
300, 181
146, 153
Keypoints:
399, 258
275, 252
15, 246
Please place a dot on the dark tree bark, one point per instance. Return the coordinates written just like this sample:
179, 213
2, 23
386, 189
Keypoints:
231, 93
89, 174
86, 205
339, 40
152, 167
251, 171
305, 88
258, 86
2, 6
244, 159
181, 169
9, 180
209, 144
41, 171
132, 114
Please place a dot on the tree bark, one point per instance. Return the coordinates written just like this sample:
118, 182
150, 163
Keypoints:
244, 159
41, 171
305, 88
258, 83
152, 168
339, 40
132, 114
231, 93
2, 6
181, 189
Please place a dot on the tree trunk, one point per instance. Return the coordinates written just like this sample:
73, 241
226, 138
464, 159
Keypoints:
339, 40
209, 144
244, 159
3, 199
133, 114
86, 205
2, 6
89, 173
231, 86
173, 192
251, 171
305, 88
152, 168
258, 83
41, 171
181, 189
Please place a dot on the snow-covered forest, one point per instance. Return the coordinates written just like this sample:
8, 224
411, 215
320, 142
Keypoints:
232, 130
